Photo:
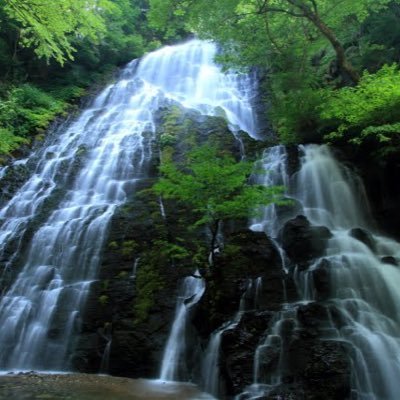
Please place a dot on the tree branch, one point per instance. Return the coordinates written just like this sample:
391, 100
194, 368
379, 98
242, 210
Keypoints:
282, 10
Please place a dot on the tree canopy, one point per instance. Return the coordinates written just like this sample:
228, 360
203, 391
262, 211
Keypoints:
216, 186
370, 109
52, 51
50, 26
305, 45
310, 50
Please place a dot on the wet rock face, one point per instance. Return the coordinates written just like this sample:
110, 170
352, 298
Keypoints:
14, 178
321, 278
238, 348
363, 236
390, 260
381, 179
323, 367
132, 306
246, 255
325, 376
311, 368
302, 241
111, 315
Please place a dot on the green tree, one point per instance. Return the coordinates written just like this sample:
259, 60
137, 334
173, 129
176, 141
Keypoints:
52, 51
305, 45
251, 26
370, 110
215, 186
50, 26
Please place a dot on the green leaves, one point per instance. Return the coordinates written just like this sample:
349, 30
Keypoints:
25, 111
50, 26
306, 46
9, 141
214, 185
371, 109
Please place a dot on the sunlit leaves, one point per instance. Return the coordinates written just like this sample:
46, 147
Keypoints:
214, 185
25, 112
371, 109
9, 141
49, 26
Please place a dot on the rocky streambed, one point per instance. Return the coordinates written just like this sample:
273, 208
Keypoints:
36, 386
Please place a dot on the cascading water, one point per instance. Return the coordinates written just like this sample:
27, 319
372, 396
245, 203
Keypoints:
97, 160
364, 302
210, 365
274, 165
173, 363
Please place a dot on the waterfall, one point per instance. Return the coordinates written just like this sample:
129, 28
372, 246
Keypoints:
173, 363
364, 300
364, 288
210, 365
274, 163
88, 169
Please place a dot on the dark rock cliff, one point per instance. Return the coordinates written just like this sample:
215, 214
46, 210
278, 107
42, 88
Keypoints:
131, 306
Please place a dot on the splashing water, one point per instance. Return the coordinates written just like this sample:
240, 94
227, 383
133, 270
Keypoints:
364, 301
91, 167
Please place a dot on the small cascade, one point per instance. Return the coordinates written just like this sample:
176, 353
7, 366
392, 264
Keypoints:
273, 347
330, 194
105, 359
88, 169
257, 292
210, 365
274, 163
162, 208
106, 334
135, 267
3, 171
173, 364
363, 302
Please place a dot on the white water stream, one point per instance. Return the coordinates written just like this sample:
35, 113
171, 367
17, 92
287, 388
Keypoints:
173, 366
112, 139
364, 299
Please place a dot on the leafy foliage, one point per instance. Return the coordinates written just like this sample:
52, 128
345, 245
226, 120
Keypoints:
148, 283
369, 110
215, 186
27, 110
306, 46
52, 51
9, 141
50, 26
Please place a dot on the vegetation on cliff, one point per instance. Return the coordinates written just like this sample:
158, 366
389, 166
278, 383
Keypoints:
51, 52
215, 186
311, 50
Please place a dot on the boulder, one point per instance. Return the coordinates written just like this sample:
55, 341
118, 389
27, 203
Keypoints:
363, 236
321, 278
302, 241
390, 260
238, 347
246, 256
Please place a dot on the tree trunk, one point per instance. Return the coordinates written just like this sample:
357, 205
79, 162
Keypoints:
342, 60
